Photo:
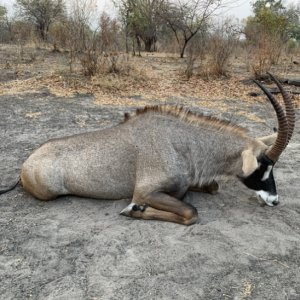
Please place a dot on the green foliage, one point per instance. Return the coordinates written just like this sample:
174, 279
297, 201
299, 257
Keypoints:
187, 18
293, 15
291, 45
142, 20
41, 13
268, 21
3, 12
274, 17
5, 34
275, 6
266, 33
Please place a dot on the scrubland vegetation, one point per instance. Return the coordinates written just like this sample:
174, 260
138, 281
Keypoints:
157, 48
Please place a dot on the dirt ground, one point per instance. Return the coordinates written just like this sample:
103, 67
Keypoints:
74, 248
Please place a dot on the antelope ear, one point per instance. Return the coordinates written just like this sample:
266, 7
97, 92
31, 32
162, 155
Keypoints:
268, 140
249, 162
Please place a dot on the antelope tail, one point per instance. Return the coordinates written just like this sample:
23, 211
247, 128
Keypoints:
11, 187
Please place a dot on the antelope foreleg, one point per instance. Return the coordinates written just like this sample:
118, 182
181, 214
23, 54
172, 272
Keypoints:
160, 206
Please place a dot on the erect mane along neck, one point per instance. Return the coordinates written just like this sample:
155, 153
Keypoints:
186, 115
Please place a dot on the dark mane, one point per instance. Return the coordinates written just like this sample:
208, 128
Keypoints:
186, 115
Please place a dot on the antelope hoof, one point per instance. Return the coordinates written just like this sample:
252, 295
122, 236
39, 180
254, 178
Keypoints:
211, 188
132, 207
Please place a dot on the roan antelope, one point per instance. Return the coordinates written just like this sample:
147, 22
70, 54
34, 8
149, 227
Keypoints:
155, 156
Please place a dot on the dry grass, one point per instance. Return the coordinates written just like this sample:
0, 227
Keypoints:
150, 77
248, 288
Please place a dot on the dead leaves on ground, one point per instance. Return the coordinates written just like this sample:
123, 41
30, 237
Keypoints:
149, 79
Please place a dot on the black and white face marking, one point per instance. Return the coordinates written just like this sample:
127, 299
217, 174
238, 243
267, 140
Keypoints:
262, 181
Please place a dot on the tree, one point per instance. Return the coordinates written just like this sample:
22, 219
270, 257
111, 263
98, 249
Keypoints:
42, 13
3, 12
293, 15
269, 21
141, 19
6, 34
290, 13
187, 18
108, 33
81, 39
267, 33
275, 6
222, 42
273, 15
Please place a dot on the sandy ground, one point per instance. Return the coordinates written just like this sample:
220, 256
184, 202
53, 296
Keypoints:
73, 248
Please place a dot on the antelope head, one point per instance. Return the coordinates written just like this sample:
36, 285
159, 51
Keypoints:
258, 170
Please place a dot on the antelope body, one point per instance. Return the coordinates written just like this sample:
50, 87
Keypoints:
155, 157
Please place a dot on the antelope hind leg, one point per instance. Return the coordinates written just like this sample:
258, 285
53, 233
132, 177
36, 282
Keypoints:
160, 206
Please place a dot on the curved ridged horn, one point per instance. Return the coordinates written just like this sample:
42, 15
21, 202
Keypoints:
289, 107
277, 148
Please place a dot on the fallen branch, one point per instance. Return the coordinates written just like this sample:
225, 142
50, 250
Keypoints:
273, 91
295, 82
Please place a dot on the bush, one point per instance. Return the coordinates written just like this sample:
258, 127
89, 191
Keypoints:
291, 46
266, 35
213, 50
222, 44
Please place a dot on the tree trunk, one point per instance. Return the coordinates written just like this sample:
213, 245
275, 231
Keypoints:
42, 31
139, 46
126, 43
148, 44
183, 49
